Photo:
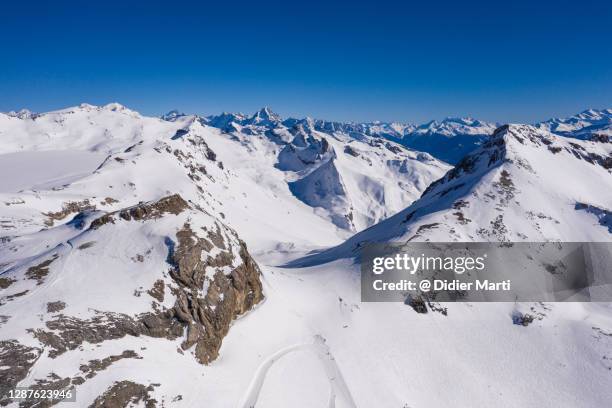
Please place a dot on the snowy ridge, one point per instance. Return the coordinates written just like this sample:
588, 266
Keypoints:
448, 140
502, 192
130, 243
589, 123
354, 180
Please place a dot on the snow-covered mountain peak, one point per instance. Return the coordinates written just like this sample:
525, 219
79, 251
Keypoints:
172, 115
159, 214
264, 117
347, 172
21, 114
595, 114
116, 107
455, 126
588, 123
522, 184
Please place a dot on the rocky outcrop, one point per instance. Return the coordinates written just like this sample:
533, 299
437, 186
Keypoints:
124, 394
67, 209
173, 204
65, 333
40, 271
208, 315
212, 277
15, 363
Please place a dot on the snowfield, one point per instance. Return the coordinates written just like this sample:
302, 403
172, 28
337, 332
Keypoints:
212, 261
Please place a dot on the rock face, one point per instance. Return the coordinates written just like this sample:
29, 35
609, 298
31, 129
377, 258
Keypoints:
126, 393
191, 277
173, 204
206, 302
208, 317
15, 363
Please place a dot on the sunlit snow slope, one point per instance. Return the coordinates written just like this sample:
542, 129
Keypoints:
139, 263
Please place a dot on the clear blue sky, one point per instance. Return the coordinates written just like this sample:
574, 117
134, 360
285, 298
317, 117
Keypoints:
407, 61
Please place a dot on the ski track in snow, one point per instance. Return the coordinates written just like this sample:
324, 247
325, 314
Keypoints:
322, 352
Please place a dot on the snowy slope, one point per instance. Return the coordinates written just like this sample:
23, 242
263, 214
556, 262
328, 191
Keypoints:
523, 184
122, 267
115, 231
355, 180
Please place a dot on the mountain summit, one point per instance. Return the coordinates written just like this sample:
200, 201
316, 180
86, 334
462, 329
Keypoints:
490, 196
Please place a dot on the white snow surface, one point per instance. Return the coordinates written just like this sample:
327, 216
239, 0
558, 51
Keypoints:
311, 343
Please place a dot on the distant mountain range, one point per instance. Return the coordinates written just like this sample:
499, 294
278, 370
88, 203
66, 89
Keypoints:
447, 140
215, 261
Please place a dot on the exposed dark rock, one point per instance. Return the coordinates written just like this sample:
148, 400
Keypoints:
216, 237
53, 307
461, 218
349, 150
180, 133
13, 296
499, 228
211, 291
52, 382
108, 201
125, 393
173, 204
92, 368
210, 155
393, 148
426, 227
67, 209
86, 245
15, 363
459, 204
208, 318
409, 216
88, 371
157, 291
6, 282
417, 303
67, 333
505, 187
602, 332
505, 180
132, 147
599, 138
40, 271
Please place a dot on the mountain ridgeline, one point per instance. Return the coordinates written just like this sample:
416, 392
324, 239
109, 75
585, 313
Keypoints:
148, 261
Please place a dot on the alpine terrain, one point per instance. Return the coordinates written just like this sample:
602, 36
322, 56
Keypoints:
213, 261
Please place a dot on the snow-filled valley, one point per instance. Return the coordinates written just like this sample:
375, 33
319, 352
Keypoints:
196, 261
